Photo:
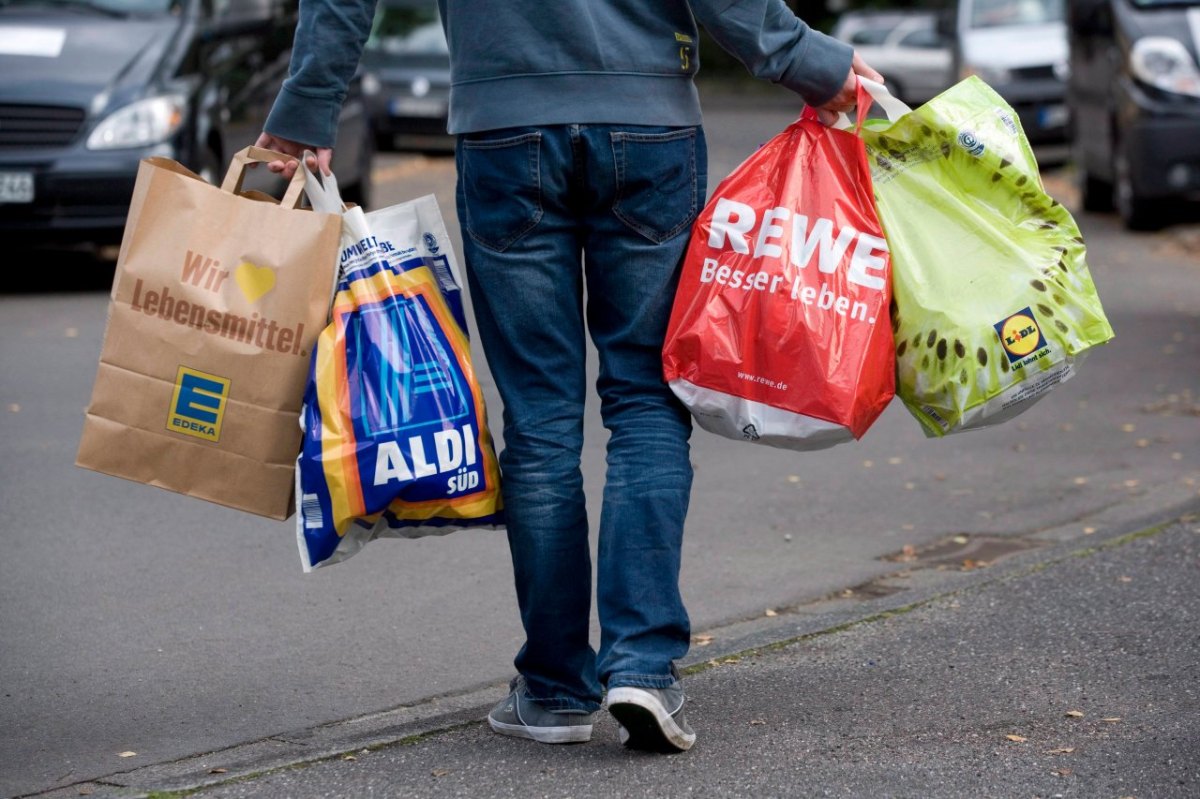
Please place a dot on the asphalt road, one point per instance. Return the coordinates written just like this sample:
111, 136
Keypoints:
135, 620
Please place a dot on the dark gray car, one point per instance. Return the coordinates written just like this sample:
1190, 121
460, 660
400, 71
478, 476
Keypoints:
406, 76
1135, 98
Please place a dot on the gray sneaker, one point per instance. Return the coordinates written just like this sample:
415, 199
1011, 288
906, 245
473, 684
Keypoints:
651, 718
521, 717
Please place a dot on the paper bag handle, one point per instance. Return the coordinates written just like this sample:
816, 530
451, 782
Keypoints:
258, 155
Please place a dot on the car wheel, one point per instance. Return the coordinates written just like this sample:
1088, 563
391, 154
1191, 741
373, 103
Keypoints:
1094, 194
1137, 212
359, 192
209, 167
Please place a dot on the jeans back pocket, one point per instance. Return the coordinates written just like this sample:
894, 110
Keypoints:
656, 187
501, 185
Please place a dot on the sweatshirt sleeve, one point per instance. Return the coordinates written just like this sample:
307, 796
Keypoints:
329, 40
773, 43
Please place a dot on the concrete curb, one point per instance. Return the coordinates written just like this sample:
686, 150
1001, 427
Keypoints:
917, 579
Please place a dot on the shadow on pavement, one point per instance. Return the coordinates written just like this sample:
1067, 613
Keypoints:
46, 270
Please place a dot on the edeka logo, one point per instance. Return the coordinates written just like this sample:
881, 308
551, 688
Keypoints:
1020, 335
198, 404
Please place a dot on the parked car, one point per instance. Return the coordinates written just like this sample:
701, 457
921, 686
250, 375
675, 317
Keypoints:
90, 87
905, 47
1135, 97
1019, 48
406, 66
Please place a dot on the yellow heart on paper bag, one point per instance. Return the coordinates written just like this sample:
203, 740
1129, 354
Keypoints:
254, 281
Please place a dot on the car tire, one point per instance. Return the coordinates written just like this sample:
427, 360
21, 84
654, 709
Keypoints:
360, 191
208, 167
1136, 211
1094, 194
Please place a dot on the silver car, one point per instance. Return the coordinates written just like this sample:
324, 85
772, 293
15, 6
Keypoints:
905, 47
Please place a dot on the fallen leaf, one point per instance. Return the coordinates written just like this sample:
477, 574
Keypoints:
848, 592
1142, 443
349, 757
868, 464
71, 332
895, 461
1175, 456
771, 612
1089, 530
440, 772
1075, 714
1132, 483
961, 539
1062, 772
218, 771
1125, 579
85, 791
127, 754
702, 640
908, 527
911, 486
1112, 719
1016, 738
15, 408
793, 478
971, 565
1128, 428
1080, 481
1066, 750
1066, 427
757, 722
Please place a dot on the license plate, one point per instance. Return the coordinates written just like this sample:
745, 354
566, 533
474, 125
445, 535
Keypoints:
16, 187
1052, 116
417, 107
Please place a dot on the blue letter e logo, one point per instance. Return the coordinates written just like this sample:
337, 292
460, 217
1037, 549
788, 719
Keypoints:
198, 404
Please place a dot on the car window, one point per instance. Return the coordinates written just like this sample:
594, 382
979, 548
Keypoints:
122, 7
875, 35
998, 13
925, 38
409, 29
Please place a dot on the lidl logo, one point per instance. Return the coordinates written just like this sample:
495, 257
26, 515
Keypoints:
1020, 335
198, 404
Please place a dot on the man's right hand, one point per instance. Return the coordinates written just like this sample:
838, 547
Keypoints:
847, 96
296, 149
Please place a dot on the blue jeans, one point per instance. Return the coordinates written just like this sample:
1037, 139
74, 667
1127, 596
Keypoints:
552, 215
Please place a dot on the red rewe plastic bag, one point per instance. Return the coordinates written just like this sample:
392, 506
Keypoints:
781, 332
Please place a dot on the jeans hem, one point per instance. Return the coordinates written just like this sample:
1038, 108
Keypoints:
566, 705
653, 681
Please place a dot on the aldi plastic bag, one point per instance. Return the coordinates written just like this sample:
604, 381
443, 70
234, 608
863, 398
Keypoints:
396, 441
779, 333
994, 303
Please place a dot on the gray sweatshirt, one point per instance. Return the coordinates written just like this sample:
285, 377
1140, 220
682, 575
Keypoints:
548, 62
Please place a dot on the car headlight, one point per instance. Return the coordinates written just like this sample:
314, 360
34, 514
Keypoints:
1165, 64
992, 76
140, 124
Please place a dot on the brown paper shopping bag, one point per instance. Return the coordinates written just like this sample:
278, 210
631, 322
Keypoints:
217, 303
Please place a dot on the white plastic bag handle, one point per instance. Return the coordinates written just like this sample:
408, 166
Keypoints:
323, 194
892, 107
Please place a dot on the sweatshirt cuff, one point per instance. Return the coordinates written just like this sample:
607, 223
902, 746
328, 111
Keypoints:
303, 119
821, 72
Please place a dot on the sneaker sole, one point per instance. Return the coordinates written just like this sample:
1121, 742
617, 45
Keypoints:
647, 724
578, 734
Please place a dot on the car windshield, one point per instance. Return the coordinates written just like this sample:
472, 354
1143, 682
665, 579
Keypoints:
1164, 3
1001, 13
112, 7
408, 30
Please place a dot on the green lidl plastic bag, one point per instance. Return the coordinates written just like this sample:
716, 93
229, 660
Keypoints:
993, 302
